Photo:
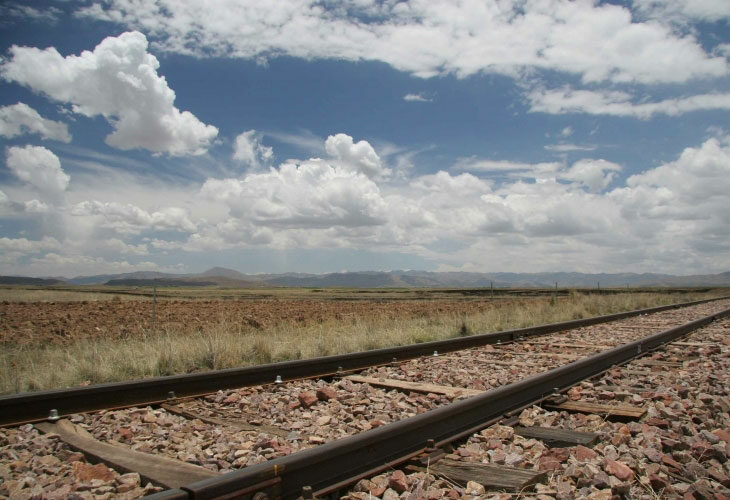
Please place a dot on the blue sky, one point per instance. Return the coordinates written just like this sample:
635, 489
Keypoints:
530, 135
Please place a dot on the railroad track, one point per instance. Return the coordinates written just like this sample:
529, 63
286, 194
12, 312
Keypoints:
306, 434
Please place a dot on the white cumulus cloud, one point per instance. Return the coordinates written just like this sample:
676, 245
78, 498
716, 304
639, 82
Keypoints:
248, 149
126, 218
119, 81
26, 246
20, 118
313, 194
40, 168
596, 175
359, 157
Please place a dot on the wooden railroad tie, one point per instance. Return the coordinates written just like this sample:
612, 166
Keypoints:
695, 344
558, 438
655, 362
236, 424
489, 476
168, 472
570, 345
403, 385
623, 411
571, 357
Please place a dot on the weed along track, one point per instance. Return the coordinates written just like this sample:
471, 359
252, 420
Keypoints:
446, 418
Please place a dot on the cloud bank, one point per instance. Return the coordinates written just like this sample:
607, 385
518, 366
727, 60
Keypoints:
427, 38
669, 218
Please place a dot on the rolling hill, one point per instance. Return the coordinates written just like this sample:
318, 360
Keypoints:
230, 278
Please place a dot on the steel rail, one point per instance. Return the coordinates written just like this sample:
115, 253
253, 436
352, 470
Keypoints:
330, 466
35, 406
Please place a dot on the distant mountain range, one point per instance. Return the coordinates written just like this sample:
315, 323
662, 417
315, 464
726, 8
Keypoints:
223, 277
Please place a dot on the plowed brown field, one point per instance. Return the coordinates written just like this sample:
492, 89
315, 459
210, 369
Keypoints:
63, 322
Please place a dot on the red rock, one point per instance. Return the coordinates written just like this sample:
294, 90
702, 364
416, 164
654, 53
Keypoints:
233, 398
307, 398
618, 469
562, 454
574, 393
583, 454
61, 493
673, 445
702, 450
723, 434
547, 463
267, 443
653, 454
658, 422
720, 477
601, 480
670, 462
74, 456
326, 393
398, 481
619, 439
377, 491
702, 490
657, 482
85, 473
494, 444
19, 466
720, 496
125, 432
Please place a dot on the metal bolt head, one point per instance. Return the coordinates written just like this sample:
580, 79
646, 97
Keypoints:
435, 354
278, 380
171, 395
53, 415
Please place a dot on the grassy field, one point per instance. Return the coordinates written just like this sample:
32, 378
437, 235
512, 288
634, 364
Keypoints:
64, 293
225, 343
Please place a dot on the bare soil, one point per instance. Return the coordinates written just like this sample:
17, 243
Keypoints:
63, 322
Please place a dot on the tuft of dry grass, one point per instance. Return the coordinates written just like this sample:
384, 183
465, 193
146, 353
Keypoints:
228, 344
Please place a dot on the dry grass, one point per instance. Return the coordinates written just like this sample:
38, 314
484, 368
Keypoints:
29, 294
226, 345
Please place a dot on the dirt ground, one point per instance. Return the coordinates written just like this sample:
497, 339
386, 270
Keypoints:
63, 322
